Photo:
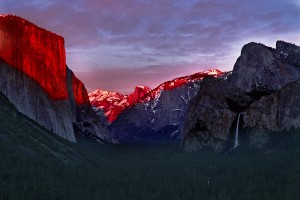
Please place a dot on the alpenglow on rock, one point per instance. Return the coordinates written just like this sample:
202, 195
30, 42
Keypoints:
35, 78
112, 104
159, 114
263, 86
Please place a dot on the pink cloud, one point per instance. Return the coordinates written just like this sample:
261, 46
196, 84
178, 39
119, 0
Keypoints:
157, 30
124, 80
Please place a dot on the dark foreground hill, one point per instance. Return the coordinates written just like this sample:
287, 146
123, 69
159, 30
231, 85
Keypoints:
37, 164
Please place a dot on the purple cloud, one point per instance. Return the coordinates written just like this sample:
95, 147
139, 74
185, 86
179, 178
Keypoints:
124, 80
108, 39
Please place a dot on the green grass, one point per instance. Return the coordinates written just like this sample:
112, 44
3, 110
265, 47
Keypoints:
36, 164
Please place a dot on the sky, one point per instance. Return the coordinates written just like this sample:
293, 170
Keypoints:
117, 44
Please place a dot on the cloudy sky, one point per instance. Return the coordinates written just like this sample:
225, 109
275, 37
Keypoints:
117, 44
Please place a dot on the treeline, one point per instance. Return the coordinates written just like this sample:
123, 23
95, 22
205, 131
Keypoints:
37, 165
151, 173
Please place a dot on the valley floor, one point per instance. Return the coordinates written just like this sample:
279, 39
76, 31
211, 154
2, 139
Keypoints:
35, 164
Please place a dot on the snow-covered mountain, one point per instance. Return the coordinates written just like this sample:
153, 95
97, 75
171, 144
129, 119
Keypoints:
113, 103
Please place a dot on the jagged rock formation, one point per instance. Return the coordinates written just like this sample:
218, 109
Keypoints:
263, 87
160, 113
34, 77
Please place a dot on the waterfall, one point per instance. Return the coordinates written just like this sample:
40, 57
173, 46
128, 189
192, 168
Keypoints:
236, 141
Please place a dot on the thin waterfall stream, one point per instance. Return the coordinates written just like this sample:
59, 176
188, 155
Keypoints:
236, 140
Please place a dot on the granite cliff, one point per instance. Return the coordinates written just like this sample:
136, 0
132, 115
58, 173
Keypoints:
263, 87
35, 78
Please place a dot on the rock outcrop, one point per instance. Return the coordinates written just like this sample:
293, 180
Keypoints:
263, 87
139, 92
262, 68
35, 78
279, 111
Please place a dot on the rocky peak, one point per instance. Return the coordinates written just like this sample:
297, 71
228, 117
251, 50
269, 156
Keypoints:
104, 98
253, 47
260, 68
108, 100
287, 47
139, 92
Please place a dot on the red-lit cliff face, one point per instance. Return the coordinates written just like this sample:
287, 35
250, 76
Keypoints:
139, 92
170, 85
79, 91
34, 77
113, 103
36, 52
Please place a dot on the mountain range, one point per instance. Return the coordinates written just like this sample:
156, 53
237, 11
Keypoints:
208, 109
153, 114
